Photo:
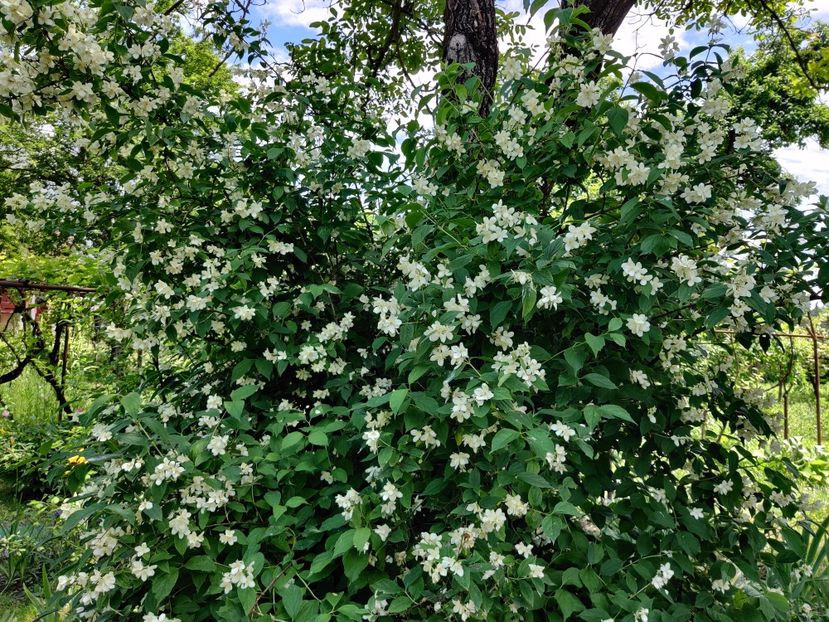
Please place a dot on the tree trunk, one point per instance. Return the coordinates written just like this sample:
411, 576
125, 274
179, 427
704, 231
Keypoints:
606, 15
470, 37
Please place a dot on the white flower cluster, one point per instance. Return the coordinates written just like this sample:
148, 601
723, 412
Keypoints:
519, 363
507, 221
238, 575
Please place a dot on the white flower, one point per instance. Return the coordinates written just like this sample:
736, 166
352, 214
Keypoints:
218, 445
578, 236
638, 324
101, 433
180, 524
685, 269
588, 95
240, 575
536, 571
358, 148
515, 506
550, 298
372, 438
102, 583
459, 460
228, 536
244, 312
383, 531
562, 430
141, 571
663, 575
698, 194
16, 11
524, 549
634, 272
482, 394
425, 435
348, 502
640, 378
492, 520
696, 513
724, 487
438, 332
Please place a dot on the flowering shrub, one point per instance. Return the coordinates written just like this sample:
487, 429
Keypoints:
453, 379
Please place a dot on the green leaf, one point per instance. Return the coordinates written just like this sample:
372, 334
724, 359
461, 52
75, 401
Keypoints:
648, 90
617, 412
595, 342
291, 439
575, 357
295, 502
628, 210
354, 563
400, 604
499, 312
361, 536
599, 380
565, 507
614, 324
243, 392
617, 117
528, 298
292, 599
418, 372
567, 604
535, 480
247, 598
235, 409
164, 582
200, 562
131, 403
503, 438
320, 562
318, 437
397, 398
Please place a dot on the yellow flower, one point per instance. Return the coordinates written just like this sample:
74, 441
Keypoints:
77, 460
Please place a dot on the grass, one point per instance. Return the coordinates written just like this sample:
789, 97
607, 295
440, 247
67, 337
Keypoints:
802, 415
14, 606
30, 400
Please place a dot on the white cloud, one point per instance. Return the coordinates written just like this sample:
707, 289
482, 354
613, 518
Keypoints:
820, 8
808, 164
296, 12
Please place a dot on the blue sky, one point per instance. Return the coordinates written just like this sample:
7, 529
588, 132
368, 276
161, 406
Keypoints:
290, 20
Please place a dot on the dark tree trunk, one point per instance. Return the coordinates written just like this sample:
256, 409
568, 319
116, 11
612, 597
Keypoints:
606, 15
470, 37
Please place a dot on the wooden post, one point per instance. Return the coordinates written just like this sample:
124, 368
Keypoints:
816, 361
64, 361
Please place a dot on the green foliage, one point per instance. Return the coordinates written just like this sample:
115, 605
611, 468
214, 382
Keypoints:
31, 545
202, 68
775, 93
426, 374
804, 576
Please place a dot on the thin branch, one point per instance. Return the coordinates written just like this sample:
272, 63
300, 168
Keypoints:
174, 6
795, 49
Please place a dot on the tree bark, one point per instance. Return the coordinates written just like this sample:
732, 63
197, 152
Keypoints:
470, 37
606, 15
